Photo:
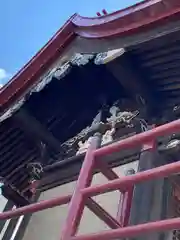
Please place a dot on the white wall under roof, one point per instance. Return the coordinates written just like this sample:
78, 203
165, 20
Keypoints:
48, 223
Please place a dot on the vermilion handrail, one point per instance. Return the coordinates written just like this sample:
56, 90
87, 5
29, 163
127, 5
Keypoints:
133, 231
82, 190
35, 207
139, 139
124, 182
163, 171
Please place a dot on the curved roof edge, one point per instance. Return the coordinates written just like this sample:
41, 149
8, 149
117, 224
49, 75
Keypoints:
143, 14
126, 21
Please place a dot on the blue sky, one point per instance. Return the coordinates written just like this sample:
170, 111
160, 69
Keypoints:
26, 25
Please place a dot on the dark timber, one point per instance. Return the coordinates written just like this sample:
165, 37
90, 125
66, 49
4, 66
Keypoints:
150, 198
36, 130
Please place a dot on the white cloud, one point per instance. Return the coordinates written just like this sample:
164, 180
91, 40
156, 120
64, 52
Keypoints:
4, 77
3, 74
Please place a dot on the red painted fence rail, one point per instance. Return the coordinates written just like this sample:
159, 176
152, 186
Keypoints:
84, 191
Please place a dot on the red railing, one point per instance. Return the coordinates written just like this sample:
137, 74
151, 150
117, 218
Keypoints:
83, 191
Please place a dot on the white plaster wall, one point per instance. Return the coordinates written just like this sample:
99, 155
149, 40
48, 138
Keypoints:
3, 202
48, 223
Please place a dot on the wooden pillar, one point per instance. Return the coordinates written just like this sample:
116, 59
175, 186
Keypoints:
149, 198
143, 192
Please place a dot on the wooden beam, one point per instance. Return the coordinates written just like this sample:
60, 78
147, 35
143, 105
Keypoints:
132, 81
36, 130
68, 170
18, 200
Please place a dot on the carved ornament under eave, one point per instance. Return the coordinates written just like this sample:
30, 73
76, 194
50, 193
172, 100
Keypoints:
58, 72
112, 129
105, 57
81, 59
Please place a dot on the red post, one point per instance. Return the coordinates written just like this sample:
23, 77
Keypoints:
125, 201
76, 205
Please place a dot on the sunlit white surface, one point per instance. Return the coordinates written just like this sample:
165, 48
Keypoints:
173, 143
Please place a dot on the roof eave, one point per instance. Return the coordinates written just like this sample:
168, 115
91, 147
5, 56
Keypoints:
135, 18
